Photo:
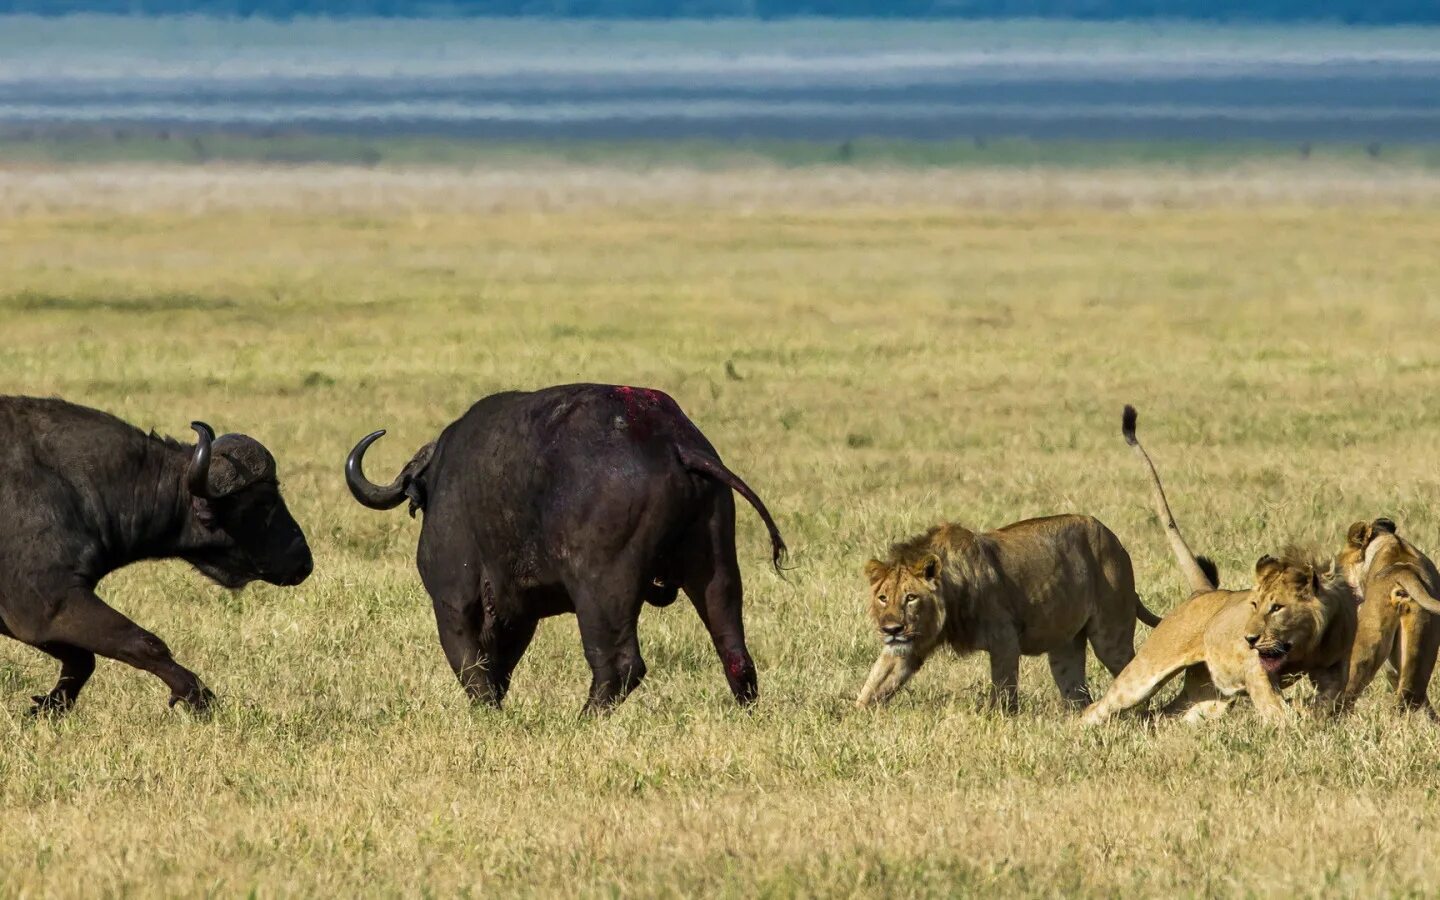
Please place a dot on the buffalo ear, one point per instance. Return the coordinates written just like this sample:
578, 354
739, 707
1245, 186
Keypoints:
204, 512
875, 571
929, 568
1358, 535
1266, 565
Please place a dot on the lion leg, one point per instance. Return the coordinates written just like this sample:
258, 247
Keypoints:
1114, 647
1197, 689
1269, 702
1413, 655
1137, 683
1207, 710
1067, 666
1005, 673
887, 676
1330, 689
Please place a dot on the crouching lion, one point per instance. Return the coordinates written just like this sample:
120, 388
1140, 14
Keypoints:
1397, 621
1295, 622
1039, 586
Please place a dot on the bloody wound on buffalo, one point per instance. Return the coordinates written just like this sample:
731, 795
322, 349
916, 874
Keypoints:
591, 499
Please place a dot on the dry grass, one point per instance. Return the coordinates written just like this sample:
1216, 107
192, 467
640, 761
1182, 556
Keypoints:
913, 347
552, 187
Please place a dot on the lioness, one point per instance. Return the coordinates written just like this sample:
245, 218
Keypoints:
1038, 586
1295, 622
1398, 584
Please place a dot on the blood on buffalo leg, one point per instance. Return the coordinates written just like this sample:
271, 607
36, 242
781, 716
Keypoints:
76, 667
85, 622
712, 582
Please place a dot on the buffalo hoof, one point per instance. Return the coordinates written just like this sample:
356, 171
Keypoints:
200, 700
52, 704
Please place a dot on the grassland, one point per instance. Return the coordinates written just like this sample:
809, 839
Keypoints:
911, 346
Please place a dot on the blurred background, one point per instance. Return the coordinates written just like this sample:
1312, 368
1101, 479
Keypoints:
934, 81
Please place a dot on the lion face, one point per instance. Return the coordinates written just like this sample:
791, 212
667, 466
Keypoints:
1287, 616
905, 602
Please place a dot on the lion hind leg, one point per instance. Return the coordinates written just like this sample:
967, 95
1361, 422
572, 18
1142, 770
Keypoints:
1136, 684
1208, 710
1198, 689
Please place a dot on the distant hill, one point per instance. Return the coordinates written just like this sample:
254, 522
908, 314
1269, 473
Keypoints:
1370, 12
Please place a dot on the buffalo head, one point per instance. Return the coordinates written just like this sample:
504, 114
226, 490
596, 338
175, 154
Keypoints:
245, 530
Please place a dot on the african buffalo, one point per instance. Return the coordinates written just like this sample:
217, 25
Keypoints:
83, 494
582, 498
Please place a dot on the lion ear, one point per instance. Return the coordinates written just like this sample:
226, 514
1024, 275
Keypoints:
1315, 580
875, 571
929, 568
1383, 524
1358, 535
1266, 564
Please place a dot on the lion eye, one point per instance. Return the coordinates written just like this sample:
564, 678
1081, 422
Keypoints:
911, 598
881, 598
1274, 608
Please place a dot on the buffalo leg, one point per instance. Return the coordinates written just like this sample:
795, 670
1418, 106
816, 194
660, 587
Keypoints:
612, 648
506, 642
459, 628
713, 586
76, 667
89, 625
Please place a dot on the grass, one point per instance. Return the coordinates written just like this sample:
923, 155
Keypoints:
911, 346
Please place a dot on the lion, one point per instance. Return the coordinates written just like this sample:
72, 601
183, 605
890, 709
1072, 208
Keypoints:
1398, 585
1044, 585
1297, 621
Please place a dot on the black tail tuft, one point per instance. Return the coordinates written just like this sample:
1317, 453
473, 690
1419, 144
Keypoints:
1207, 565
1127, 424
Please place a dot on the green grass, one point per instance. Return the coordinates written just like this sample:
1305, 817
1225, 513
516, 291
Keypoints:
912, 347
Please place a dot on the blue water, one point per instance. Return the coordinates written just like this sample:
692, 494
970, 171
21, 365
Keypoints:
798, 80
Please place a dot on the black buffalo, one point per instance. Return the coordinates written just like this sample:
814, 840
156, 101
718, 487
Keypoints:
584, 498
83, 494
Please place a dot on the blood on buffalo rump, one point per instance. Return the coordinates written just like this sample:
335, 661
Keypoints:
583, 498
84, 494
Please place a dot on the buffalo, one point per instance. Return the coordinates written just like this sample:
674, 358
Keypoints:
584, 498
84, 494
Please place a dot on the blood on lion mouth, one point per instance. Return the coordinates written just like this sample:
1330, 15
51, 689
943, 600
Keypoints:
1272, 658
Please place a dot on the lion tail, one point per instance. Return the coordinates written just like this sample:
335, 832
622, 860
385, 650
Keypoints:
1143, 613
1408, 584
1194, 572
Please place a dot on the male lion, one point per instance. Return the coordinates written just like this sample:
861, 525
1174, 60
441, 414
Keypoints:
1038, 586
1398, 584
1295, 622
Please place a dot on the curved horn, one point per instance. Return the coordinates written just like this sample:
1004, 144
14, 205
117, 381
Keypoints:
366, 491
197, 476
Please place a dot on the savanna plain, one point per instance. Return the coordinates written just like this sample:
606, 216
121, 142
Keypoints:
903, 346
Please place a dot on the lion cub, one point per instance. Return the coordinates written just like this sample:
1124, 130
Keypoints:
1038, 586
1294, 622
1397, 621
